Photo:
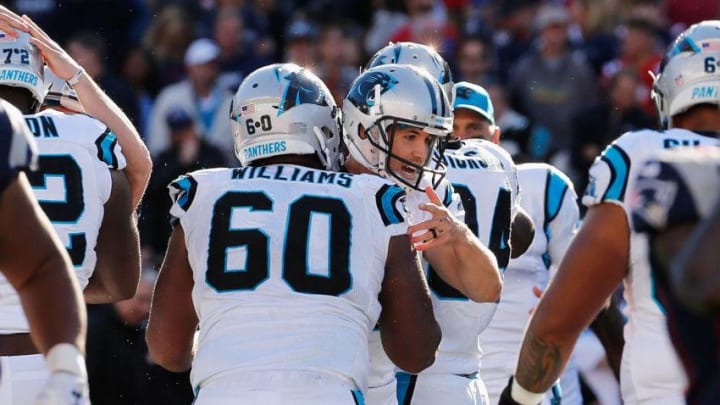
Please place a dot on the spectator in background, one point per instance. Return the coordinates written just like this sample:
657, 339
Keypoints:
200, 95
300, 47
550, 84
90, 52
428, 25
596, 126
239, 54
475, 61
387, 17
166, 39
187, 152
639, 51
119, 369
513, 39
591, 31
333, 68
140, 72
515, 126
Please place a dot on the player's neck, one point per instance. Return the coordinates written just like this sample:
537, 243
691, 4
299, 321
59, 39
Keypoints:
353, 166
700, 120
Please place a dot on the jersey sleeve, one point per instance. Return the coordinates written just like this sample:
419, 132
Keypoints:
18, 150
453, 202
608, 177
562, 214
182, 192
389, 202
109, 151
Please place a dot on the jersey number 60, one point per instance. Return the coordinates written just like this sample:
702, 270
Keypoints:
295, 250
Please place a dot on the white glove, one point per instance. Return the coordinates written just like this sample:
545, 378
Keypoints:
68, 382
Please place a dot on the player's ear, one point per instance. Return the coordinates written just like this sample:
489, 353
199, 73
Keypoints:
496, 135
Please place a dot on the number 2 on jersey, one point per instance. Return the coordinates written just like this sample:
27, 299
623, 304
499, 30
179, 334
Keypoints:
295, 250
69, 208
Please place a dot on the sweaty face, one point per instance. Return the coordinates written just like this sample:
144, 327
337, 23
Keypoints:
411, 144
469, 124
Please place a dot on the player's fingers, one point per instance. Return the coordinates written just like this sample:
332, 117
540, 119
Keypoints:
434, 242
423, 237
9, 22
38, 32
537, 291
432, 195
433, 209
424, 226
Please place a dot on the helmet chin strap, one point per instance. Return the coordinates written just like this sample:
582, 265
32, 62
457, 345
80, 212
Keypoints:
324, 154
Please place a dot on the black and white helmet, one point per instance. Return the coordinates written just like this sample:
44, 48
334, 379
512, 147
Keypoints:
284, 109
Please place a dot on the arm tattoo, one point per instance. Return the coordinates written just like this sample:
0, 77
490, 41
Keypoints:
539, 365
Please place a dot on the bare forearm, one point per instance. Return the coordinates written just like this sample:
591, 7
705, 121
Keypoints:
478, 269
56, 318
102, 107
540, 363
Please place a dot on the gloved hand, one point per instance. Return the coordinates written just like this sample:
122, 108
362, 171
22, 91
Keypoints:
68, 382
506, 397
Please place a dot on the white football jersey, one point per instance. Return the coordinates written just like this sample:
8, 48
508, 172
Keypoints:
480, 183
650, 367
507, 164
550, 200
288, 262
382, 370
72, 185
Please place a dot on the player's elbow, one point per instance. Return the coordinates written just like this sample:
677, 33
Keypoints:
166, 356
420, 355
486, 289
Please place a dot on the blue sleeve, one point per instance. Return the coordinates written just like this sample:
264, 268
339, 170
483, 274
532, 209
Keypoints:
106, 145
182, 192
619, 164
387, 199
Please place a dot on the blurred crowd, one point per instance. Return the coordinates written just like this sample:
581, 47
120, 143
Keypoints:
566, 77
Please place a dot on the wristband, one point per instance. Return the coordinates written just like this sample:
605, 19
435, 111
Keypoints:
65, 357
523, 396
75, 79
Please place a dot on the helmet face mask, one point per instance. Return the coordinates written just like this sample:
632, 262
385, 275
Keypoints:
689, 74
283, 109
388, 97
59, 93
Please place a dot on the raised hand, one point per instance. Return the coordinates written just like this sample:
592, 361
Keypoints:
436, 231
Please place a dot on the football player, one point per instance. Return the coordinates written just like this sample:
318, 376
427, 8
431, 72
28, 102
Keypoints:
673, 202
394, 116
606, 251
38, 269
548, 197
285, 266
428, 59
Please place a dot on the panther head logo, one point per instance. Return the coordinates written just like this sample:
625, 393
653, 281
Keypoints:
302, 89
362, 93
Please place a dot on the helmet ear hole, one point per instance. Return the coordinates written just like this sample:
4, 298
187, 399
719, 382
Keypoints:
361, 132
